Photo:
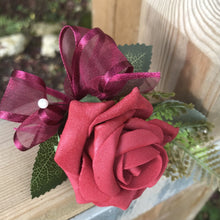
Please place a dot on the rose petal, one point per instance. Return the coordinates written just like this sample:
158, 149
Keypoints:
123, 199
139, 193
139, 157
137, 123
112, 124
150, 172
90, 191
74, 180
135, 171
104, 130
164, 157
87, 185
169, 131
103, 162
136, 139
71, 145
123, 177
133, 101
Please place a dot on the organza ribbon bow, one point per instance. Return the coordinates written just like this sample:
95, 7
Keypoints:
94, 65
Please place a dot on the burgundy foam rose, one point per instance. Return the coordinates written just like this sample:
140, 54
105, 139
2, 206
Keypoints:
110, 153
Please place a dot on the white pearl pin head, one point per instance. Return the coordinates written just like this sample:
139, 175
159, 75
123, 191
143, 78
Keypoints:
43, 103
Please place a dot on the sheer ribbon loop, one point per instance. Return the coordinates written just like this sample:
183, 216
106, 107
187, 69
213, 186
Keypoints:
92, 61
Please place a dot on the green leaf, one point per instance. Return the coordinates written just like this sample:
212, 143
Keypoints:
139, 55
46, 173
156, 97
90, 98
170, 109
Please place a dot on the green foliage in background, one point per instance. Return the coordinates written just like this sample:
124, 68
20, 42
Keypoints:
18, 17
12, 25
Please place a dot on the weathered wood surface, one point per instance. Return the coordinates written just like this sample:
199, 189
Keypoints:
183, 206
185, 35
15, 176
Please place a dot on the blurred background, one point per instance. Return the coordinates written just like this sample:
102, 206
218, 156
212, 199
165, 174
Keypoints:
29, 31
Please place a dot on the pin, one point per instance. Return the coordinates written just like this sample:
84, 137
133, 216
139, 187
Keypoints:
43, 103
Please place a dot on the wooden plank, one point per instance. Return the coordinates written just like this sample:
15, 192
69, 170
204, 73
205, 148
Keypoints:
185, 36
118, 18
15, 197
103, 15
183, 206
127, 21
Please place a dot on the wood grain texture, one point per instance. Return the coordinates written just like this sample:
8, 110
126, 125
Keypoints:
118, 18
185, 36
183, 206
15, 198
103, 15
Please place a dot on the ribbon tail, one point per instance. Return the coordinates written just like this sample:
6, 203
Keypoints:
146, 81
38, 128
